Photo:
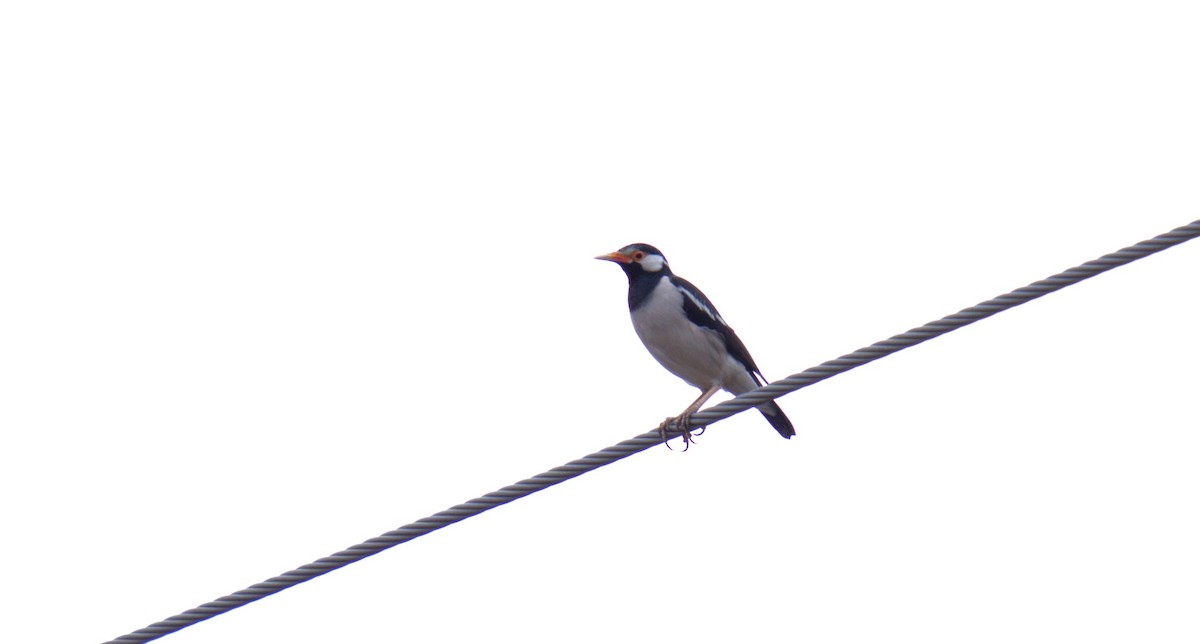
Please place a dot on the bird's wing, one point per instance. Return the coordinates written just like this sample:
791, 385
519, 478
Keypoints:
701, 312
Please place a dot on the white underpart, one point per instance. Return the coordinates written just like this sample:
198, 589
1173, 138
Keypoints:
695, 354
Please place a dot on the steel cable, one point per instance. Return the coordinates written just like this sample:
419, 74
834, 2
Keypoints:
649, 439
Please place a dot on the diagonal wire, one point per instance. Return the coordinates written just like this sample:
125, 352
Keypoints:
651, 438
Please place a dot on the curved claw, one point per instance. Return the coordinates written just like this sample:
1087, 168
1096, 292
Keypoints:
662, 432
683, 424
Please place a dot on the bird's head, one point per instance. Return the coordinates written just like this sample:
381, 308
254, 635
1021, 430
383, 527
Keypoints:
636, 259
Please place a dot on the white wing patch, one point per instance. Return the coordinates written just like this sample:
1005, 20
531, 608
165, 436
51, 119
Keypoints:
700, 304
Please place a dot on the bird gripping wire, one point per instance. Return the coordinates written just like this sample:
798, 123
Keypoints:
649, 439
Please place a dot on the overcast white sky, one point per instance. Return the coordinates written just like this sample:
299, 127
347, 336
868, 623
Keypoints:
278, 277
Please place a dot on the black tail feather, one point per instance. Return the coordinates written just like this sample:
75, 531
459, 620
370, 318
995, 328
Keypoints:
778, 419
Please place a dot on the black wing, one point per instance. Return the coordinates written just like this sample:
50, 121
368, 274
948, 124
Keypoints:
701, 312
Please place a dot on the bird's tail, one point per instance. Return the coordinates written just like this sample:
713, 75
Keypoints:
778, 419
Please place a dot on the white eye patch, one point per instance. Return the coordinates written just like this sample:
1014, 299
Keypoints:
653, 263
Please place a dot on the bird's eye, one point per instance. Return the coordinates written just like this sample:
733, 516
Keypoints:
638, 255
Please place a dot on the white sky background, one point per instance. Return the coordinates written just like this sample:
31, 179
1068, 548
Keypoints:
280, 277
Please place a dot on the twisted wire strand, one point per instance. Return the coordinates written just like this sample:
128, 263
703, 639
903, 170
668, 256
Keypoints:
649, 439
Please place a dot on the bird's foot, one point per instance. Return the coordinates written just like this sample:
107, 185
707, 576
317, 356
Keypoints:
683, 424
662, 430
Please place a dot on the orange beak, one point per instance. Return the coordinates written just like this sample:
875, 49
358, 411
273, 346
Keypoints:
615, 257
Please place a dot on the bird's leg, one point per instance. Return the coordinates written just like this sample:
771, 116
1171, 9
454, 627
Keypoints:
683, 422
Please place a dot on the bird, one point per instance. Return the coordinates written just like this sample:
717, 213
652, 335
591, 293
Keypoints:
684, 332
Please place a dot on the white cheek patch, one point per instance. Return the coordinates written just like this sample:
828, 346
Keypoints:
653, 263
